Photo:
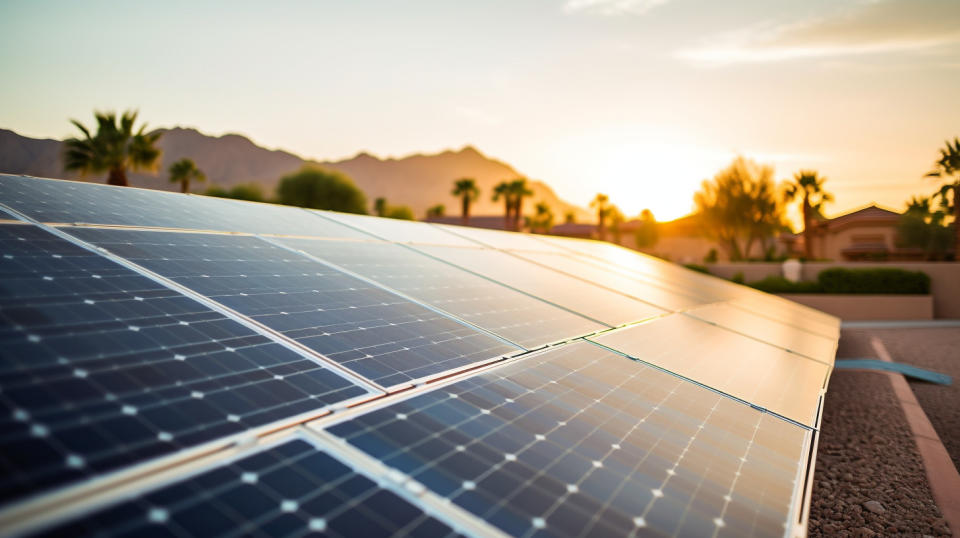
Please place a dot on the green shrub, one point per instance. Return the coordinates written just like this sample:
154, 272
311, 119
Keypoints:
697, 267
738, 278
778, 284
880, 280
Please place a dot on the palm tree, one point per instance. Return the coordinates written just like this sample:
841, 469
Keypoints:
183, 172
466, 188
601, 202
518, 191
809, 184
115, 148
502, 190
948, 167
542, 221
380, 206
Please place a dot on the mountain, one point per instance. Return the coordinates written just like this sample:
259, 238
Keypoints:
419, 180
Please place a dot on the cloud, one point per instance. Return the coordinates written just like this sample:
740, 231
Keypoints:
612, 7
875, 27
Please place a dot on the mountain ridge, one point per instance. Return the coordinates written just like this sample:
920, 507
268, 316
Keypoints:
419, 180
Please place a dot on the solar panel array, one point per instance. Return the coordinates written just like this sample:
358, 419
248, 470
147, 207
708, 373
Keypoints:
190, 366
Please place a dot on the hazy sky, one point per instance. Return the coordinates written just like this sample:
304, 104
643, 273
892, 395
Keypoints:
641, 99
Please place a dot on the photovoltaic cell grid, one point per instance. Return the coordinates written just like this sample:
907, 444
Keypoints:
376, 334
101, 367
292, 489
598, 303
515, 316
119, 398
76, 202
581, 441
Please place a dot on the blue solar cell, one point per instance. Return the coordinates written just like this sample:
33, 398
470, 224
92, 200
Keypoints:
579, 440
101, 367
73, 202
291, 489
508, 313
377, 334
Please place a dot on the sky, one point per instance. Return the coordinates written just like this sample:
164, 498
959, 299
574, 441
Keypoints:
639, 99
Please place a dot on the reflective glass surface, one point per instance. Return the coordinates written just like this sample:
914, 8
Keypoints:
293, 489
574, 294
377, 334
398, 230
581, 441
501, 239
80, 202
510, 314
101, 367
757, 372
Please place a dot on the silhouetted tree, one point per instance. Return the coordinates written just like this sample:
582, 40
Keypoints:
647, 231
401, 212
570, 217
739, 204
518, 191
318, 188
380, 207
922, 227
114, 148
948, 167
244, 191
466, 188
183, 172
435, 211
502, 190
542, 219
616, 218
601, 203
808, 185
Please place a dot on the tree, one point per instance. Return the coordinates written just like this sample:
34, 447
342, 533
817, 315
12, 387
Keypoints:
922, 227
466, 188
542, 219
183, 172
647, 231
570, 217
948, 167
244, 191
502, 190
401, 212
518, 191
318, 188
809, 185
380, 207
616, 220
739, 206
114, 149
601, 202
436, 211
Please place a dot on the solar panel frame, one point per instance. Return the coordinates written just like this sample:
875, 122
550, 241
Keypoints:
385, 362
56, 448
404, 410
437, 272
311, 457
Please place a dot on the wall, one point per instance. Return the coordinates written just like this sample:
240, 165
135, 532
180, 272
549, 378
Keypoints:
944, 277
868, 307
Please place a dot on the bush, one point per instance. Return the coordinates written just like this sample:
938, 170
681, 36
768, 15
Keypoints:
317, 188
697, 267
880, 280
738, 278
778, 284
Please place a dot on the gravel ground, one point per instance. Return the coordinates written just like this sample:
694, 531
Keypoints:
937, 350
869, 479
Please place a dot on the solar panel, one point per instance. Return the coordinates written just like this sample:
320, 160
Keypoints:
101, 367
374, 333
753, 371
520, 318
660, 296
580, 441
501, 240
181, 365
574, 294
78, 202
291, 489
781, 333
398, 230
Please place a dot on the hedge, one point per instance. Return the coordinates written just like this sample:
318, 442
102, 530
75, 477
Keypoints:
852, 281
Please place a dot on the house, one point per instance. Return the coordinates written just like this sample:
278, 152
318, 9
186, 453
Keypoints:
869, 233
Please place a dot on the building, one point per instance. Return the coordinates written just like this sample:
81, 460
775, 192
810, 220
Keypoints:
869, 233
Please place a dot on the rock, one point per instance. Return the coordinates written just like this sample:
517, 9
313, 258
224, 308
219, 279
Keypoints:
874, 507
863, 532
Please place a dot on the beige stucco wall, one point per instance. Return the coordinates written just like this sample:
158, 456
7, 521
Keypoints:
944, 277
868, 307
830, 246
